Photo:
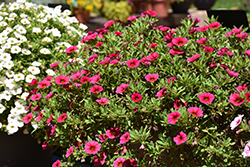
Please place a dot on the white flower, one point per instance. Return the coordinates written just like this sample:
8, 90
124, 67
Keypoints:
236, 122
36, 30
12, 128
83, 26
9, 83
23, 15
46, 39
5, 57
8, 64
3, 24
23, 39
2, 108
1, 125
15, 49
56, 32
24, 95
19, 122
47, 31
74, 20
34, 125
1, 18
2, 41
13, 15
246, 152
6, 95
34, 70
26, 51
16, 90
10, 73
80, 61
20, 103
29, 78
50, 72
45, 51
6, 46
19, 77
25, 21
21, 29
14, 6
8, 30
3, 36
12, 40
66, 12
35, 63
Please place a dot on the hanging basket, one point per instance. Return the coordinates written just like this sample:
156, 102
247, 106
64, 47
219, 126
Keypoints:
82, 15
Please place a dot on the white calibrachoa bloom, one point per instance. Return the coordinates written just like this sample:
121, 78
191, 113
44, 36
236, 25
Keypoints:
8, 64
5, 57
19, 77
45, 51
21, 29
15, 49
2, 108
29, 78
50, 72
35, 63
25, 21
26, 51
36, 30
10, 74
46, 39
34, 70
24, 95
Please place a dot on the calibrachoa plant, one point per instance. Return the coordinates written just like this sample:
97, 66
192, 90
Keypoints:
31, 38
150, 95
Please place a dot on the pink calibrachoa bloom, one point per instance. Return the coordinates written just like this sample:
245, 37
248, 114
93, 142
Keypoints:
119, 161
193, 58
236, 122
195, 111
175, 51
85, 79
121, 88
214, 25
242, 87
27, 118
153, 56
171, 78
103, 138
95, 79
36, 97
113, 132
133, 63
235, 99
49, 78
92, 147
96, 89
161, 93
101, 160
76, 76
206, 97
105, 61
54, 64
248, 53
102, 101
33, 82
180, 138
173, 117
204, 28
124, 138
39, 117
109, 23
247, 95
208, 49
49, 95
92, 58
246, 152
130, 163
57, 163
53, 130
151, 77
232, 74
70, 151
71, 49
136, 97
99, 44
178, 103
131, 18
202, 41
179, 41
43, 84
62, 80
118, 33
62, 117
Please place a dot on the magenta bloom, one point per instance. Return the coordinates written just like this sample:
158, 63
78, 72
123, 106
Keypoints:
202, 41
96, 89
118, 33
246, 152
71, 49
171, 78
214, 25
206, 97
242, 87
69, 152
151, 77
92, 147
54, 64
131, 18
179, 41
49, 95
76, 76
43, 84
27, 118
175, 51
92, 58
101, 160
195, 112
39, 117
62, 117
109, 23
180, 138
232, 74
173, 117
129, 163
124, 138
57, 163
153, 56
193, 58
95, 79
36, 97
136, 97
236, 122
105, 61
236, 99
161, 93
113, 132
203, 29
99, 44
121, 88
103, 138
178, 103
247, 96
102, 101
133, 63
118, 162
85, 79
208, 49
62, 80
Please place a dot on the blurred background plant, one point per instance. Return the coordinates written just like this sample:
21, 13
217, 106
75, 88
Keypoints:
92, 6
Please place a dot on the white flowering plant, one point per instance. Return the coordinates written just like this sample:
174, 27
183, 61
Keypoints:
31, 38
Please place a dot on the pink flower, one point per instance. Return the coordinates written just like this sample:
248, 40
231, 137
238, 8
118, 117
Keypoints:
235, 99
101, 160
236, 122
214, 25
195, 112
71, 49
49, 78
130, 163
153, 56
118, 162
247, 95
173, 117
242, 87
153, 45
95, 79
43, 84
99, 44
193, 58
113, 132
151, 77
136, 97
54, 64
208, 49
171, 78
202, 28
109, 23
92, 147
124, 138
175, 51
92, 58
102, 101
56, 164
206, 97
246, 152
232, 74
179, 41
161, 93
85, 79
150, 13
62, 117
33, 82
236, 30
50, 118
69, 152
27, 118
53, 130
39, 117
36, 97
62, 80
133, 63
131, 18
248, 53
49, 95
202, 41
76, 76
121, 88
180, 138
103, 138
178, 103
105, 61
96, 89
118, 33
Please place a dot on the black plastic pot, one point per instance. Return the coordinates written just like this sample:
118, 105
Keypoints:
181, 7
204, 4
64, 6
20, 150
